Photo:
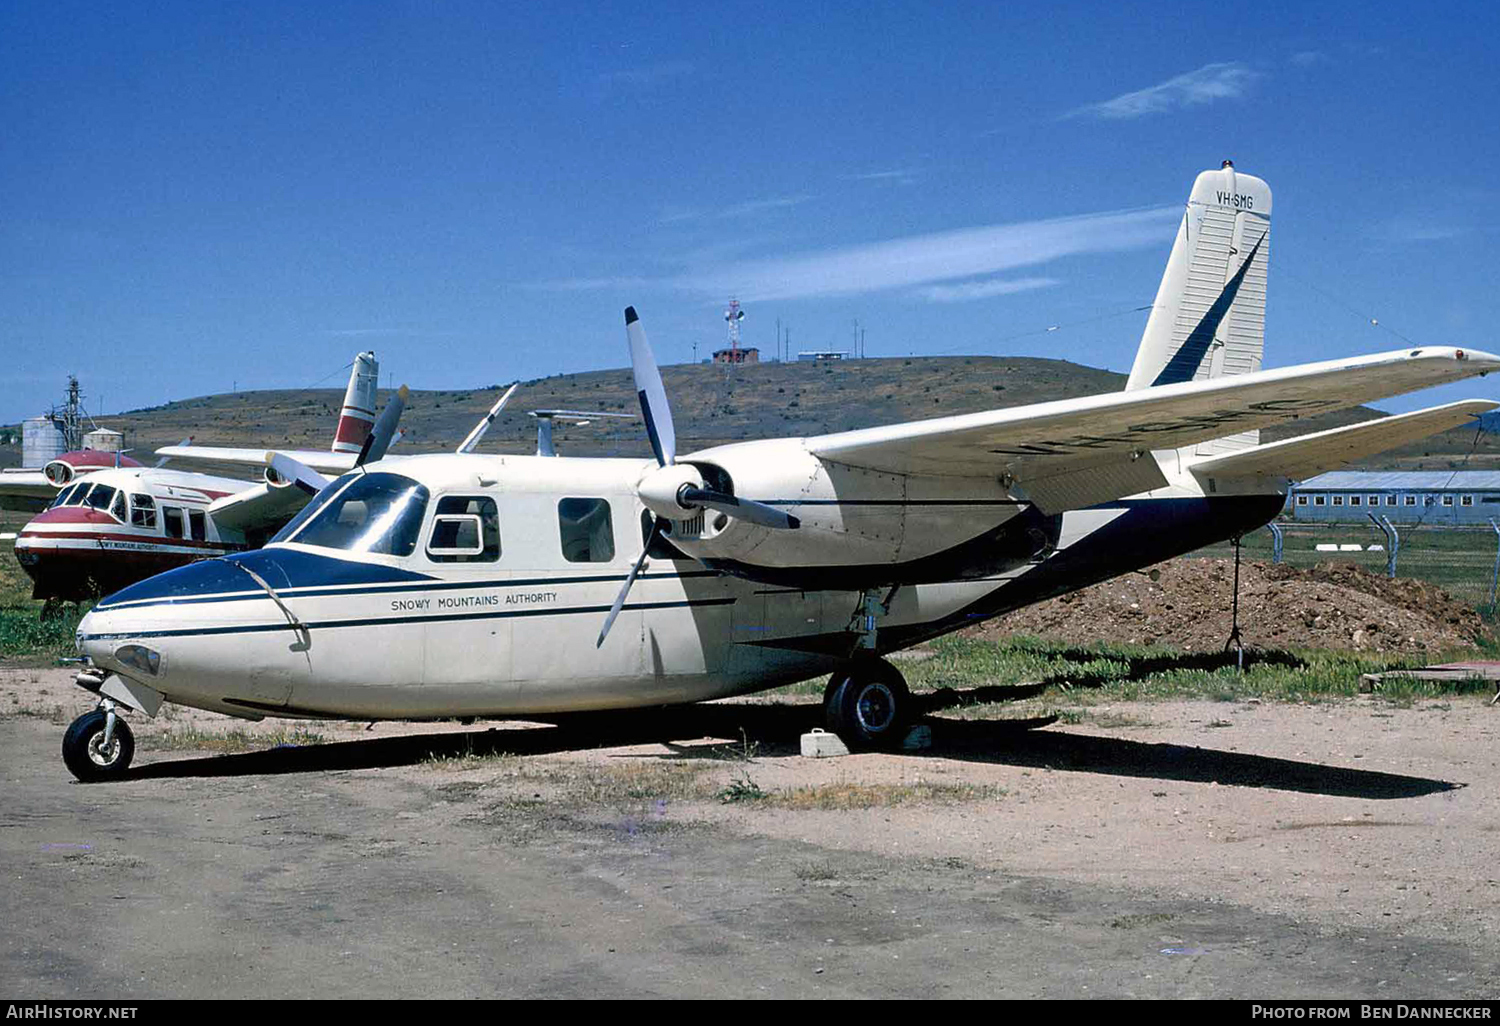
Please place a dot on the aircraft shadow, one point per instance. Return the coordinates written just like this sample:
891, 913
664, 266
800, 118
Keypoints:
774, 731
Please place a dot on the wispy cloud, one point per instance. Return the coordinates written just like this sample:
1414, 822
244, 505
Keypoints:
952, 257
1222, 81
745, 209
966, 291
648, 75
895, 176
1310, 58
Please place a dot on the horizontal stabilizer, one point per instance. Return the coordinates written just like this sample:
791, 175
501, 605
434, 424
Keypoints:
1300, 458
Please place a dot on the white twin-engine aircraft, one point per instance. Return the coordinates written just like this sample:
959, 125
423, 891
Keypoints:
474, 585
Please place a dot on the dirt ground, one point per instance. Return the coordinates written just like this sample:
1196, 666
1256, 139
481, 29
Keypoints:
1329, 606
1171, 849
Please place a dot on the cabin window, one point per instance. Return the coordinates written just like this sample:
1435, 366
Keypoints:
100, 496
117, 508
466, 529
198, 524
588, 533
171, 521
377, 513
143, 511
70, 496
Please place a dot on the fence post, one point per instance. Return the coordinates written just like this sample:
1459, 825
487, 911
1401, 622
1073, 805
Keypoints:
1275, 530
1392, 541
1495, 577
1390, 562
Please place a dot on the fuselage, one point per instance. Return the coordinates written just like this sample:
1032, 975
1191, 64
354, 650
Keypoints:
112, 528
440, 586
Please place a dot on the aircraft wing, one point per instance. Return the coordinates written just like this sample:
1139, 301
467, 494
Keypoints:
1074, 453
1299, 458
26, 490
318, 459
257, 508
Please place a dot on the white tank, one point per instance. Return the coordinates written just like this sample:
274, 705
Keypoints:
104, 440
42, 441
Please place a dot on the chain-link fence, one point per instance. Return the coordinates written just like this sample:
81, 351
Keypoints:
1461, 560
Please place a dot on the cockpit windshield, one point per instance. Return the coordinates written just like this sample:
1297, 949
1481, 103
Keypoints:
377, 513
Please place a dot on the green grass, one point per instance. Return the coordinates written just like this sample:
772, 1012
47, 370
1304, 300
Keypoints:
1057, 674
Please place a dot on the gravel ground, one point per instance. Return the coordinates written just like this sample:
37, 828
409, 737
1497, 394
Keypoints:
1165, 849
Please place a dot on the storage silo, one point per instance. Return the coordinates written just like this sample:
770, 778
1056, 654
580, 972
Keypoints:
104, 440
42, 441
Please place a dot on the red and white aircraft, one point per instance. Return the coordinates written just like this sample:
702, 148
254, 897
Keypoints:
114, 522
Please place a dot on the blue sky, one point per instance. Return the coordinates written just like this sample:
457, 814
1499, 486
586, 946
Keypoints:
196, 195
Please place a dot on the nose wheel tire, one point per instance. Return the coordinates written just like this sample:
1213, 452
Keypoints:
86, 754
868, 706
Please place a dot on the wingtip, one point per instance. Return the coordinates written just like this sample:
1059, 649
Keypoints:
630, 316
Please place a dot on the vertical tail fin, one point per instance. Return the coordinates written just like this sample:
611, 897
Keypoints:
1209, 317
358, 415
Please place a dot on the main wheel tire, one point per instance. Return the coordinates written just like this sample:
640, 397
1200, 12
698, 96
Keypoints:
868, 706
83, 748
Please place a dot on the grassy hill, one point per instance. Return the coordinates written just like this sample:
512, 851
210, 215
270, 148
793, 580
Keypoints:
711, 404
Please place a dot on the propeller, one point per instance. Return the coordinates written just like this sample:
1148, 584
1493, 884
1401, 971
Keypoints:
673, 491
283, 471
379, 439
467, 445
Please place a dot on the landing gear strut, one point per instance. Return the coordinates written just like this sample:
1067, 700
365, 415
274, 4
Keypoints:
98, 745
867, 704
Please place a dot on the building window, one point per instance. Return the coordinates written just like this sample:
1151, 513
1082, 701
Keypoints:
1411, 500
1390, 500
1338, 500
1317, 500
588, 534
1354, 500
1447, 500
1374, 500
1467, 500
1302, 500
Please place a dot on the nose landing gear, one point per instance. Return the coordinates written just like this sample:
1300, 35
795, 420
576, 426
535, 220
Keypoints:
98, 745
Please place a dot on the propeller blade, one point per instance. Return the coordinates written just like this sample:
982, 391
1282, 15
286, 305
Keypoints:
467, 445
650, 391
744, 509
614, 610
297, 473
385, 428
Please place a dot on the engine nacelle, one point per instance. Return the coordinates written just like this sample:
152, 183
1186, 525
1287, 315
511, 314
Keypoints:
59, 472
661, 489
858, 527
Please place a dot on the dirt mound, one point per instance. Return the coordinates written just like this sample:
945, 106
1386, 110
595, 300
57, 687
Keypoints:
1330, 606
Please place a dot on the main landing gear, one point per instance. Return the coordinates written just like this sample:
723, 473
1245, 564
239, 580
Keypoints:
867, 704
98, 745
